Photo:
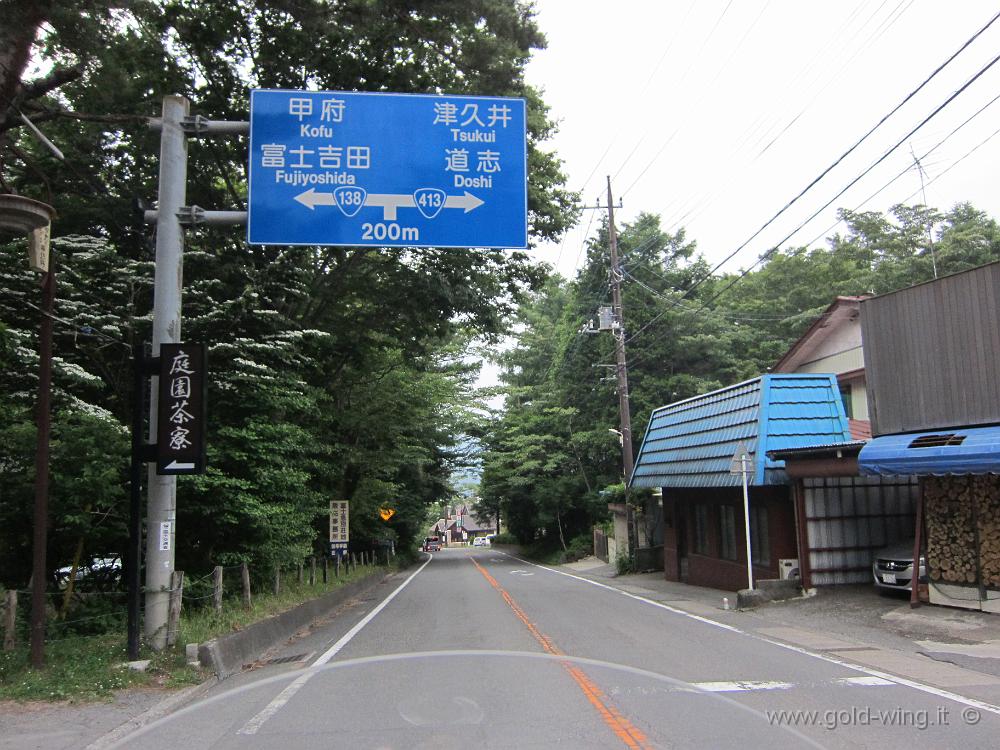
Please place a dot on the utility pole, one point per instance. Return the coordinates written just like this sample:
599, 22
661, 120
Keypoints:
618, 331
161, 508
171, 217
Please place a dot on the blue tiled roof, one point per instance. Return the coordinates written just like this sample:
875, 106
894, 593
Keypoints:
691, 443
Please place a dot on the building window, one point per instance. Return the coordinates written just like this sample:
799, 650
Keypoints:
727, 529
760, 540
701, 529
845, 396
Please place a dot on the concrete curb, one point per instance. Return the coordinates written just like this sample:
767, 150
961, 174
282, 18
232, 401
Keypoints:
227, 654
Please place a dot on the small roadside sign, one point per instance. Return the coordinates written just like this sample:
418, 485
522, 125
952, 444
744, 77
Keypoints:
386, 513
340, 529
737, 466
180, 425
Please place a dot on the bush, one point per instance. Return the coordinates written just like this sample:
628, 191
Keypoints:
505, 538
579, 548
624, 563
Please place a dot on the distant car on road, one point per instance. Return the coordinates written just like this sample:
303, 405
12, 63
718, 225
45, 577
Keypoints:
481, 541
893, 567
432, 544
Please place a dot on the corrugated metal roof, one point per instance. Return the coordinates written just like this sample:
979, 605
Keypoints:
691, 443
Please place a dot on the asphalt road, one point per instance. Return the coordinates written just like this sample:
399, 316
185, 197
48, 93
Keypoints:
479, 649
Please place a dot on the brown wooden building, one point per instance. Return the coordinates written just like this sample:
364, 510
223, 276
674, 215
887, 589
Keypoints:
933, 362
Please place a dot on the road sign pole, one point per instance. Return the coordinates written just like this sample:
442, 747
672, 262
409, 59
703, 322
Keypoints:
133, 560
162, 504
746, 518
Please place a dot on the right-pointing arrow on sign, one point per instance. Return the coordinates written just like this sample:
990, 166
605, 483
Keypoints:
467, 201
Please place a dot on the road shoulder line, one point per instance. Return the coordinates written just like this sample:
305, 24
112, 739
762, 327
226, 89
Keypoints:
922, 687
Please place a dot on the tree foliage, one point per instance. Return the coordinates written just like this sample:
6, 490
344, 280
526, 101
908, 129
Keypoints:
335, 373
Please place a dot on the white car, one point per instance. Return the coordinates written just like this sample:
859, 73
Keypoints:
481, 541
893, 567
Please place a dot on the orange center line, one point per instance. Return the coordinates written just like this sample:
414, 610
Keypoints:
624, 729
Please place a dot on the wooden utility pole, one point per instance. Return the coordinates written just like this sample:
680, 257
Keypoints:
618, 331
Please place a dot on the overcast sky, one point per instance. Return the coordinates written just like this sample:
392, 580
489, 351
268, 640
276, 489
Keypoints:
714, 114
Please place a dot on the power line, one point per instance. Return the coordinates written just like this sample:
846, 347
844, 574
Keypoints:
922, 160
649, 80
863, 138
923, 122
853, 182
880, 30
687, 70
748, 135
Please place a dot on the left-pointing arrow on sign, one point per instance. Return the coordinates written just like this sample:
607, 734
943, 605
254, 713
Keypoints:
178, 466
310, 199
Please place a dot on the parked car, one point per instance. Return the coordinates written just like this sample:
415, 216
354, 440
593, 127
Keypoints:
101, 572
893, 567
481, 541
432, 544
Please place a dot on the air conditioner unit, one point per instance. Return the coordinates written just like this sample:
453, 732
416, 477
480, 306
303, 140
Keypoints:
788, 569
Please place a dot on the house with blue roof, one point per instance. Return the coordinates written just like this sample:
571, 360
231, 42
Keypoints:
688, 453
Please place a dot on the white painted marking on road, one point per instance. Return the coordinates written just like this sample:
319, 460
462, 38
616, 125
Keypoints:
894, 679
520, 573
274, 706
864, 681
285, 695
740, 686
747, 686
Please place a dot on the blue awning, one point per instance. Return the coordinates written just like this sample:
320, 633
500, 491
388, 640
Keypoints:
960, 451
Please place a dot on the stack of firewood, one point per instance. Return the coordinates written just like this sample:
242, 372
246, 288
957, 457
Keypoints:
951, 535
953, 507
987, 489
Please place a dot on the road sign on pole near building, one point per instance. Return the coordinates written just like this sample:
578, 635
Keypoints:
741, 464
387, 170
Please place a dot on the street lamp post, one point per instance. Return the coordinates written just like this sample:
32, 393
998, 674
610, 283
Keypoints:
32, 218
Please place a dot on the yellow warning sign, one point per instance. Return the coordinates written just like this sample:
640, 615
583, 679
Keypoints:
386, 513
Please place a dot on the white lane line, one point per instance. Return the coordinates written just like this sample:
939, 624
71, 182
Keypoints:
285, 695
895, 679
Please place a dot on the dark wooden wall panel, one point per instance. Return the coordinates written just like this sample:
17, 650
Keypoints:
932, 354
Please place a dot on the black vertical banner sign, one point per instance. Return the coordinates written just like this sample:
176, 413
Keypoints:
180, 426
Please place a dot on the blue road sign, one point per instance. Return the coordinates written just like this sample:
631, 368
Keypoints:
387, 170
